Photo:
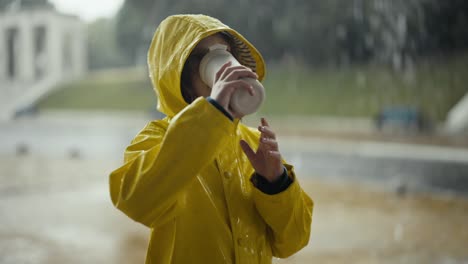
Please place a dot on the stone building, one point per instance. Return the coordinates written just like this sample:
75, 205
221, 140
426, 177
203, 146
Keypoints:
39, 48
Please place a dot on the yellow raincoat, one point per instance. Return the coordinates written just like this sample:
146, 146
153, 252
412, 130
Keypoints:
187, 179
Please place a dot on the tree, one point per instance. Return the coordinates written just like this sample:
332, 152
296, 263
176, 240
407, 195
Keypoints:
102, 47
314, 31
444, 24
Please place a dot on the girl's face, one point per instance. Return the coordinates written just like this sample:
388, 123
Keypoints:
199, 88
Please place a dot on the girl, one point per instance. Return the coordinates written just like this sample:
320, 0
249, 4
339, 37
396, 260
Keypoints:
193, 177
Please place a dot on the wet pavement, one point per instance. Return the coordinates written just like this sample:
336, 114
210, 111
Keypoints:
59, 211
413, 167
374, 203
386, 173
353, 224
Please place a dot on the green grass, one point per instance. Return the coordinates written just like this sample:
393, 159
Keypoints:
123, 89
363, 91
434, 87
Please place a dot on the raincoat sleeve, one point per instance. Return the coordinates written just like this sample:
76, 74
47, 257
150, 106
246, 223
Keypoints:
164, 159
288, 215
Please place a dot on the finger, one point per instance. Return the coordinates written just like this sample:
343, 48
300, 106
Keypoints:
230, 87
267, 132
271, 143
275, 154
241, 83
264, 122
221, 70
230, 69
248, 151
239, 73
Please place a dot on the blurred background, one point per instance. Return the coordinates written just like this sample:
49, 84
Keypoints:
369, 99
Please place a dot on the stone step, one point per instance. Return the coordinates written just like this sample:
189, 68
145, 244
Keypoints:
18, 95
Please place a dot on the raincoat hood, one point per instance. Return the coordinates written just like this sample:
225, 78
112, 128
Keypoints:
172, 44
